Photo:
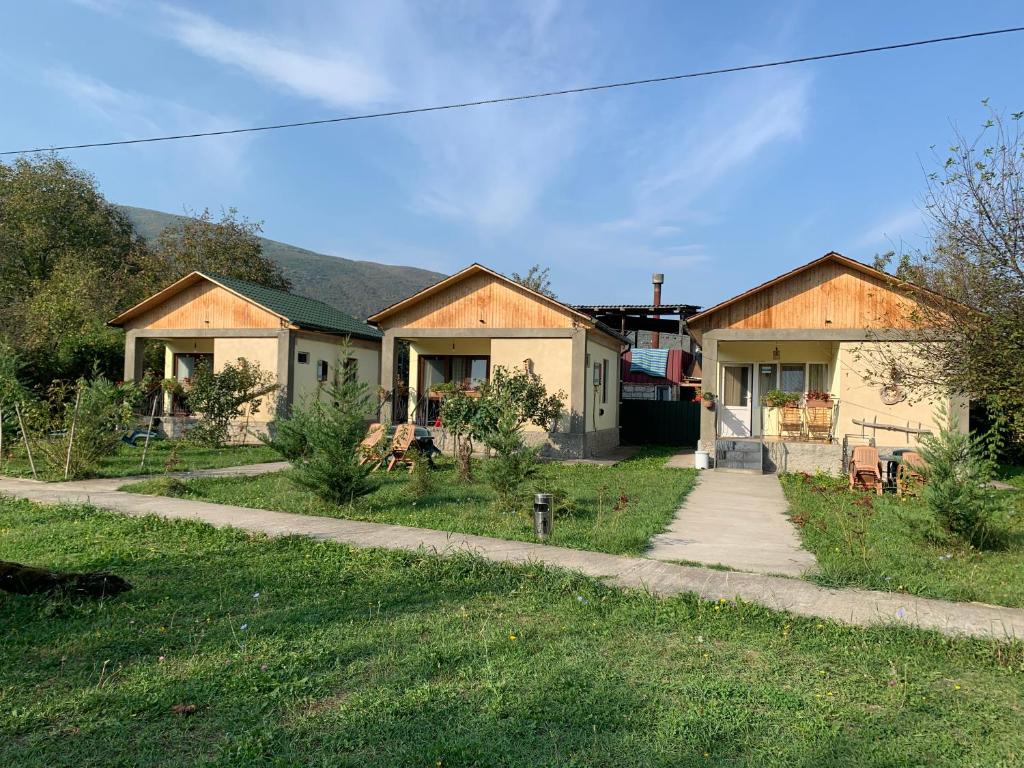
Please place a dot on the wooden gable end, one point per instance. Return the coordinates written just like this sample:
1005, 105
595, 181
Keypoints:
204, 305
828, 295
481, 301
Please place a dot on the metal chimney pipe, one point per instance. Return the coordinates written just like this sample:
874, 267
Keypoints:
657, 279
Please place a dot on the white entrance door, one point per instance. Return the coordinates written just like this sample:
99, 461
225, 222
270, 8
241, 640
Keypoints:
735, 404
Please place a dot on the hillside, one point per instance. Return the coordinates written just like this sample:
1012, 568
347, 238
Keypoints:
359, 288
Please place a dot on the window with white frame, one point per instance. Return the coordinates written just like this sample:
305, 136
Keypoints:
321, 370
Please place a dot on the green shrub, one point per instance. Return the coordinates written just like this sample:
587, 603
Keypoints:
218, 398
333, 425
421, 481
958, 486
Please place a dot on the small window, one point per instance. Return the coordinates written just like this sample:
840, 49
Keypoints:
604, 381
817, 377
793, 378
321, 370
303, 358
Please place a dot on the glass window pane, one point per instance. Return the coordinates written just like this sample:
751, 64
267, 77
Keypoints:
459, 371
477, 372
767, 377
433, 372
737, 385
817, 377
792, 379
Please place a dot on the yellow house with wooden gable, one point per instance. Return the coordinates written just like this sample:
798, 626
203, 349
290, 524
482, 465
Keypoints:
461, 328
818, 330
216, 320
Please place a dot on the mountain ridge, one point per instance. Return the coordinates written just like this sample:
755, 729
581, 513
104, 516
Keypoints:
357, 287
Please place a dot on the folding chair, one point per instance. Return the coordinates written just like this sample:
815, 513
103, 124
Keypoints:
819, 423
866, 469
402, 451
910, 471
369, 448
791, 421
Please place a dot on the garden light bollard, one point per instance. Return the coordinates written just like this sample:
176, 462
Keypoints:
542, 515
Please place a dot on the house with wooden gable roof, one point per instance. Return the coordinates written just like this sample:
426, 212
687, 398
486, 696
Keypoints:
461, 328
204, 318
813, 336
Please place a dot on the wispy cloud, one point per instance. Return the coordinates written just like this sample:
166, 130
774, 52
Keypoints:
695, 153
337, 79
135, 114
107, 7
889, 231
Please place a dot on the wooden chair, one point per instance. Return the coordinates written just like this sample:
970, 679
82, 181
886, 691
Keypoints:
866, 469
791, 421
402, 451
819, 423
910, 472
369, 448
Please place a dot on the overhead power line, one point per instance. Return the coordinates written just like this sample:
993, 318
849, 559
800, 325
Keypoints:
525, 97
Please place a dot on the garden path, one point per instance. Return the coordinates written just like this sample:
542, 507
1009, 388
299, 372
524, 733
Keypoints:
737, 520
779, 593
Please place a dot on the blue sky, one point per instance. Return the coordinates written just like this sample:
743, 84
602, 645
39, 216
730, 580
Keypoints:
720, 183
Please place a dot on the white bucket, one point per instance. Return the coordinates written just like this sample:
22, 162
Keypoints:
702, 460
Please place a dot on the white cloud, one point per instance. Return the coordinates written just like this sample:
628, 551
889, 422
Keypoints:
888, 232
339, 79
106, 7
137, 115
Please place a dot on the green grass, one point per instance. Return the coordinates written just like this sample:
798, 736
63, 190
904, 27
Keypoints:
1012, 474
895, 544
617, 508
295, 652
125, 462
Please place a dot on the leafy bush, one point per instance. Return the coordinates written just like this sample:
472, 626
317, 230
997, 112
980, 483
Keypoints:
776, 398
94, 428
421, 481
958, 486
458, 411
321, 438
235, 391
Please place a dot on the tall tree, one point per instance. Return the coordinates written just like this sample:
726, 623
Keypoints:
230, 247
975, 343
69, 260
537, 279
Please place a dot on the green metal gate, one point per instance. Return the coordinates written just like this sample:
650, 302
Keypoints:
660, 422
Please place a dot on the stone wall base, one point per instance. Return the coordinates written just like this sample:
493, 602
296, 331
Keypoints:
176, 427
782, 457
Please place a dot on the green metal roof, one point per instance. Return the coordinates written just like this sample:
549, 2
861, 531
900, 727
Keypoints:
306, 313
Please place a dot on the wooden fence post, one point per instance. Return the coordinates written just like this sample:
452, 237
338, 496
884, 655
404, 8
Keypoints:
71, 433
24, 436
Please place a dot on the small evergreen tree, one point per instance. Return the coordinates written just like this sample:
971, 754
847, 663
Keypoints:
333, 424
958, 486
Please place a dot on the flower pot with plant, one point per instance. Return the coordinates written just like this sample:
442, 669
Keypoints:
819, 399
708, 399
776, 398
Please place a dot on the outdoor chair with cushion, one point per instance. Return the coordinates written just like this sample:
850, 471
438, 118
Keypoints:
370, 448
791, 421
866, 469
403, 447
910, 471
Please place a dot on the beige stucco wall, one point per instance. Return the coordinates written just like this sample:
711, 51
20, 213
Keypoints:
601, 413
860, 399
551, 360
304, 383
261, 351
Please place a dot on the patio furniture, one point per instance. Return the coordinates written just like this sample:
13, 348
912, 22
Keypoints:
369, 448
819, 423
791, 421
866, 469
402, 446
909, 472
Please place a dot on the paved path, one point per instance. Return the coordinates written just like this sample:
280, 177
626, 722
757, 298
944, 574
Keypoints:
113, 483
779, 593
738, 520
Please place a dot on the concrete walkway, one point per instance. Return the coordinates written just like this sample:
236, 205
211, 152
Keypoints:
113, 483
737, 520
798, 597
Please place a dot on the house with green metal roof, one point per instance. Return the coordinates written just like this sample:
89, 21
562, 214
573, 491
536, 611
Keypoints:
215, 320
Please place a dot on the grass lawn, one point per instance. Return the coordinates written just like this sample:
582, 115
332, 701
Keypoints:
617, 508
1012, 474
295, 652
895, 544
187, 456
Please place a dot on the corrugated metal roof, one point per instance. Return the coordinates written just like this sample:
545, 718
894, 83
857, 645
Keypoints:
302, 311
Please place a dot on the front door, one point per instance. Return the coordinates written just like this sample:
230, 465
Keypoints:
735, 411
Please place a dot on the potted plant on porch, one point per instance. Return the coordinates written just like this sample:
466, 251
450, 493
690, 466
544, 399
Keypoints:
708, 399
776, 398
819, 399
